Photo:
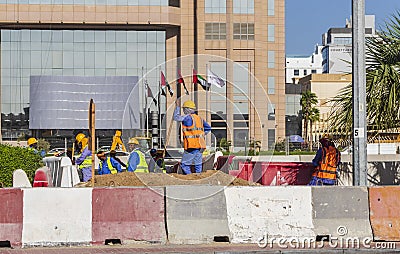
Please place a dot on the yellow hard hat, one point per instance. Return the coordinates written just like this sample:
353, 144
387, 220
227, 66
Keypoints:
189, 104
133, 141
32, 141
326, 136
118, 133
79, 137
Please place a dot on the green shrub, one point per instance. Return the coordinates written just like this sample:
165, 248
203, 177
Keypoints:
12, 158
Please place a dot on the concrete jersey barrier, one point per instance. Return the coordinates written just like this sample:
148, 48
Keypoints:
258, 213
196, 214
57, 216
128, 214
341, 212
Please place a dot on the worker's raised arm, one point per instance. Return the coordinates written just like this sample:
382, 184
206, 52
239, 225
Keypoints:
116, 164
207, 127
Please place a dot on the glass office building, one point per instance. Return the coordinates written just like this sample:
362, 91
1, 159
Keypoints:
26, 53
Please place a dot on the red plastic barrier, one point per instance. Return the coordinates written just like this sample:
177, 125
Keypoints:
128, 214
245, 171
284, 173
11, 216
41, 179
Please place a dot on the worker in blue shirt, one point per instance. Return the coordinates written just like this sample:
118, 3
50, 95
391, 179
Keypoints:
194, 129
108, 165
136, 161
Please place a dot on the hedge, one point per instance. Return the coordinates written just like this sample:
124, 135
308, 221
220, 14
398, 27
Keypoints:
12, 158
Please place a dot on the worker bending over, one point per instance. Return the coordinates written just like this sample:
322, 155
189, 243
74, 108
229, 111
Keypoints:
326, 163
108, 165
84, 161
194, 129
136, 161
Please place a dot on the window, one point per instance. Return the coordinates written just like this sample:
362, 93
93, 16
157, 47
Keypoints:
243, 6
342, 40
271, 111
296, 72
215, 6
271, 85
305, 72
271, 59
271, 7
271, 139
271, 33
215, 31
313, 71
243, 31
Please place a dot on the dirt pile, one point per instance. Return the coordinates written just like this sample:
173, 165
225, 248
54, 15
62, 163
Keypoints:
210, 177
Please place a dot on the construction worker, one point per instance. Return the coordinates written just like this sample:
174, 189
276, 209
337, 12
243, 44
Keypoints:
107, 164
194, 129
32, 145
136, 161
113, 154
326, 163
84, 161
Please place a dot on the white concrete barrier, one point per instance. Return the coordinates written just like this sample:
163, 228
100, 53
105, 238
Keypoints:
70, 175
196, 214
20, 179
256, 213
55, 216
341, 212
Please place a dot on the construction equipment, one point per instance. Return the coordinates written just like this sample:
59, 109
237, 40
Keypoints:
117, 142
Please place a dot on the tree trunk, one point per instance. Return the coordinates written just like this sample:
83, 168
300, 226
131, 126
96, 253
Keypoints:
305, 130
311, 136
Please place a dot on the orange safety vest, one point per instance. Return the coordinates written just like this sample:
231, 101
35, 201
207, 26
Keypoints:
193, 136
328, 165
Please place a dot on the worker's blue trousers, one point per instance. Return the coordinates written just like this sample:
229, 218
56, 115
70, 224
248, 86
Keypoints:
193, 157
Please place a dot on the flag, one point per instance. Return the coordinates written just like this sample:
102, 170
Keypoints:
198, 79
215, 80
149, 92
164, 83
182, 81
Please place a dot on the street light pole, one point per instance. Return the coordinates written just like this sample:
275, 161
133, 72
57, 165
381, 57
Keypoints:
359, 94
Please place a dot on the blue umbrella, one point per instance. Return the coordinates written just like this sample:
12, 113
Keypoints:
296, 138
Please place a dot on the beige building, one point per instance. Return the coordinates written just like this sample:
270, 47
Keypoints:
241, 41
326, 87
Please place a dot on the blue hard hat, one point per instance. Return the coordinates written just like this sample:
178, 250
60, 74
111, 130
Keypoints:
153, 151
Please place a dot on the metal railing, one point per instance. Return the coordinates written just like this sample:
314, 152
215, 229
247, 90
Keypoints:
63, 173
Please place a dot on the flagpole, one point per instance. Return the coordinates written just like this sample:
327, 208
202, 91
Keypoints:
147, 111
207, 88
191, 82
159, 108
144, 98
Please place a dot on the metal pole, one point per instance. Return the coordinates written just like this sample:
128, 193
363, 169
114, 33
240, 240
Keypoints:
154, 126
359, 95
145, 99
65, 147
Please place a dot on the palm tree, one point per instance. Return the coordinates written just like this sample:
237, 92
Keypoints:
382, 83
314, 117
308, 101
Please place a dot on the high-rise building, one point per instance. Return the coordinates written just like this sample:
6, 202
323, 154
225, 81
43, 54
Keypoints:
241, 41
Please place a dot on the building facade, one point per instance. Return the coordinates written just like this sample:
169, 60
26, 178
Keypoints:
91, 38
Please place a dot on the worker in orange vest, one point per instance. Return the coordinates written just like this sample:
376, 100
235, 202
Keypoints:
194, 129
326, 163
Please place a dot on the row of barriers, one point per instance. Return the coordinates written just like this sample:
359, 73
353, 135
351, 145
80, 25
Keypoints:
93, 216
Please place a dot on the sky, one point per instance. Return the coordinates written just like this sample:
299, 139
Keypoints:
307, 20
